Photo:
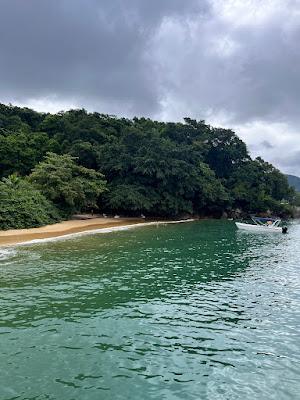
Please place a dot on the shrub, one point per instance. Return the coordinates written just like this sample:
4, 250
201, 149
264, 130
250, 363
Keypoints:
23, 206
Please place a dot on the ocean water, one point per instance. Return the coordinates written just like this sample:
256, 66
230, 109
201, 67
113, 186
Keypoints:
188, 311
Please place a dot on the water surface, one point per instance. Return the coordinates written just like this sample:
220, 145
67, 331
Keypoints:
189, 311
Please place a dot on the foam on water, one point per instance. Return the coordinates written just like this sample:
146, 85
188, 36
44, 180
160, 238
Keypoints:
6, 253
99, 230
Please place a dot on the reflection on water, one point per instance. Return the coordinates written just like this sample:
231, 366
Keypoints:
194, 311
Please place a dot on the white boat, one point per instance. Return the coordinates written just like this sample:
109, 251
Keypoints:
262, 225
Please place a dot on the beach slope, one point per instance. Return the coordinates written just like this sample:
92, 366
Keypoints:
17, 236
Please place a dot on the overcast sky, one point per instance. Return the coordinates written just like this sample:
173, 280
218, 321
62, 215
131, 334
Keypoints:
234, 63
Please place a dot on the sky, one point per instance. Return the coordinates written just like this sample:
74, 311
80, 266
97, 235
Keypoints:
233, 63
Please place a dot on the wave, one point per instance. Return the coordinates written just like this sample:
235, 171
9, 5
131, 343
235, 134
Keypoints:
6, 253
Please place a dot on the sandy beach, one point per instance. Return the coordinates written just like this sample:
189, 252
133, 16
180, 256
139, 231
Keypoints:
17, 236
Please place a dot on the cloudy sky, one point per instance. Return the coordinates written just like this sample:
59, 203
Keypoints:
234, 63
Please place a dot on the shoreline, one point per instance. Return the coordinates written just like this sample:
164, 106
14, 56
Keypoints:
71, 228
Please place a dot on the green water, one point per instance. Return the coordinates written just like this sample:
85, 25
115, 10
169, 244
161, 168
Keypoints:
189, 311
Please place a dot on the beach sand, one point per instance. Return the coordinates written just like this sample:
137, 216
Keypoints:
17, 236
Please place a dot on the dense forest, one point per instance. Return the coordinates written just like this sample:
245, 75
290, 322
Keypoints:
53, 165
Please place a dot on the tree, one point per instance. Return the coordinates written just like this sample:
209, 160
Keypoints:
23, 206
70, 186
21, 151
296, 199
153, 167
257, 186
130, 198
226, 152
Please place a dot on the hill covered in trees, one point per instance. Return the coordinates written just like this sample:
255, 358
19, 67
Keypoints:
294, 181
75, 161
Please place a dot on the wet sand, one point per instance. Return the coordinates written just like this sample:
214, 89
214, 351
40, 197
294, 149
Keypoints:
17, 236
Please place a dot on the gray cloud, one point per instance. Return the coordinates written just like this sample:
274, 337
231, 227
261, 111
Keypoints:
90, 51
266, 144
233, 63
247, 70
289, 160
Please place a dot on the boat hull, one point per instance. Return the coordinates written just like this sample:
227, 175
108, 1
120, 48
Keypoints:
258, 228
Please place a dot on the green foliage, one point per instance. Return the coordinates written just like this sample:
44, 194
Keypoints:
257, 186
132, 199
159, 176
70, 186
21, 151
23, 206
296, 199
226, 152
155, 168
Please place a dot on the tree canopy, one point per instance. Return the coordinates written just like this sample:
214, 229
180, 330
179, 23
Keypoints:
151, 167
70, 186
23, 206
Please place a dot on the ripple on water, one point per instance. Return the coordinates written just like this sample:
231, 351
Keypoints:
193, 311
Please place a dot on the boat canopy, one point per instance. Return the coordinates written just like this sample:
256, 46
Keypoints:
263, 221
260, 219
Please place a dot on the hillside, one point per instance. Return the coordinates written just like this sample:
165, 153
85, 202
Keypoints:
77, 161
294, 181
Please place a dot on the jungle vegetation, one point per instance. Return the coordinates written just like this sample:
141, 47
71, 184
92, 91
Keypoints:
53, 165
